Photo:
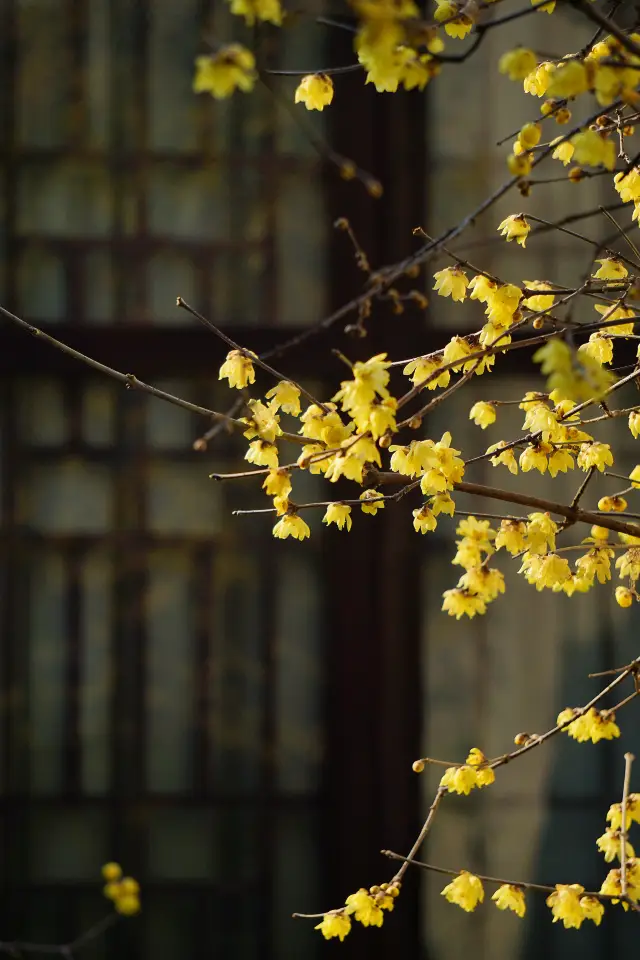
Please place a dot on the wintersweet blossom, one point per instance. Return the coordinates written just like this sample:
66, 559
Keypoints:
510, 897
315, 91
335, 925
465, 891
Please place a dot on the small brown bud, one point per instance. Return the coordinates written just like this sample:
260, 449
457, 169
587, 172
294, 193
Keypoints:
418, 766
538, 323
341, 223
348, 170
576, 174
374, 188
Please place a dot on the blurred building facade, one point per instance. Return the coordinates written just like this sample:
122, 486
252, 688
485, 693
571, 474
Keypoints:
231, 717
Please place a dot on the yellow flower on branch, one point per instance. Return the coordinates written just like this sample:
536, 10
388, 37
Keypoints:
610, 845
610, 269
483, 414
335, 925
510, 897
285, 396
593, 909
365, 908
465, 891
565, 904
338, 513
263, 454
277, 483
291, 525
458, 603
269, 11
595, 455
238, 369
505, 457
424, 520
424, 367
451, 282
455, 26
315, 91
372, 501
517, 64
231, 68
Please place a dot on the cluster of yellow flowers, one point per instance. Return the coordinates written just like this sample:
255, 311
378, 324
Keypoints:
124, 892
608, 71
474, 773
347, 437
365, 906
592, 725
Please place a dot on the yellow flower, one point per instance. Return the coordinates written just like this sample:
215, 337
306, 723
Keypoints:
506, 457
511, 536
628, 564
541, 533
596, 563
538, 302
457, 603
510, 897
442, 503
285, 396
502, 304
460, 780
515, 227
592, 909
628, 185
537, 81
458, 27
381, 418
111, 872
635, 475
529, 135
372, 501
334, 925
238, 369
518, 63
610, 269
633, 812
364, 908
231, 68
344, 465
564, 151
565, 904
521, 165
483, 414
560, 461
610, 844
338, 513
465, 891
263, 454
457, 349
594, 725
624, 597
484, 774
424, 520
269, 11
535, 457
634, 423
595, 455
315, 91
127, 905
569, 79
549, 571
291, 525
620, 313
612, 504
593, 150
425, 367
277, 483
599, 346
484, 582
481, 288
451, 282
